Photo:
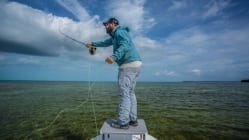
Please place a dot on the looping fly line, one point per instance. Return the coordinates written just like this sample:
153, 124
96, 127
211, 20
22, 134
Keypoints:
89, 98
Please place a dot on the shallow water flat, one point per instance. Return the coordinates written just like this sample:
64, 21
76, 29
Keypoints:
77, 110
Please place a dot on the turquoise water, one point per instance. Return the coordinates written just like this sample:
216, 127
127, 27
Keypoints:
76, 110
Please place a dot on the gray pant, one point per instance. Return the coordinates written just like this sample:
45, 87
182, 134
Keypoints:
127, 110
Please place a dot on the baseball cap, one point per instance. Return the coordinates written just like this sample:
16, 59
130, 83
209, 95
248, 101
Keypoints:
111, 20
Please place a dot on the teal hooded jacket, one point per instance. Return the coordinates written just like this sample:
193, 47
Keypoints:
124, 50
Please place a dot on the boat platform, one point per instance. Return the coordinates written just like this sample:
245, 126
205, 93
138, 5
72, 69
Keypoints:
139, 132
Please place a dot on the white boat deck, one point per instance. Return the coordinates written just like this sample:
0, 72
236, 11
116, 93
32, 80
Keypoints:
139, 132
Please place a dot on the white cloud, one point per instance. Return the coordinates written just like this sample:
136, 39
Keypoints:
28, 60
196, 71
176, 5
75, 8
195, 50
192, 49
31, 31
41, 29
146, 43
195, 40
42, 35
188, 37
131, 13
151, 51
215, 7
166, 73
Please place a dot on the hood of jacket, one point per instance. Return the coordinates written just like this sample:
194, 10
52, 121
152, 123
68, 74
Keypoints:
120, 28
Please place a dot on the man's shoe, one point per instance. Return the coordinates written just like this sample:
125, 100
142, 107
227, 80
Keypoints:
133, 123
119, 126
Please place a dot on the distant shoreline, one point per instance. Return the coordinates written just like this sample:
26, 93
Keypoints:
245, 81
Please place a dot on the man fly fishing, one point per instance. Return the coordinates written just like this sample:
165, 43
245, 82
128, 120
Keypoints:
129, 61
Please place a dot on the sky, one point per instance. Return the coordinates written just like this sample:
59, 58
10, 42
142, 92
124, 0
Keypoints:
178, 40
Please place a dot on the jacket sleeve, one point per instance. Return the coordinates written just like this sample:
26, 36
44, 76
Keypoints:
105, 43
123, 45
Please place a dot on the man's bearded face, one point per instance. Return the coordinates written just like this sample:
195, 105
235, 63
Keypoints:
108, 28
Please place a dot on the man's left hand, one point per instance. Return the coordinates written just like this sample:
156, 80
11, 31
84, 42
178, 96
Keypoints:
109, 60
89, 45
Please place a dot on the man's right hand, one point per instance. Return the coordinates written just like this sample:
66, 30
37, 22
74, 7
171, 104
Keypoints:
89, 45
